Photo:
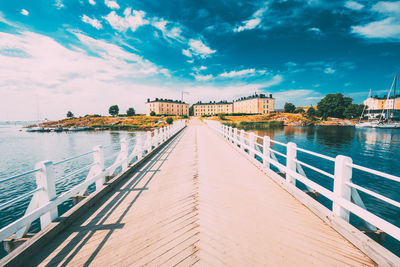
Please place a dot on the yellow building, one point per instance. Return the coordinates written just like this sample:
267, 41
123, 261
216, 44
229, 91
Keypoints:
212, 108
377, 104
254, 104
167, 106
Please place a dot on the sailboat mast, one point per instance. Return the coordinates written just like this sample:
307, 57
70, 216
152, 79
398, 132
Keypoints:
388, 97
394, 97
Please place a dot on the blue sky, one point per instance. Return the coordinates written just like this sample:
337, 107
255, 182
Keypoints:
85, 55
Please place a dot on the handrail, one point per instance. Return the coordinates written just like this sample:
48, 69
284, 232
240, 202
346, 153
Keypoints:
44, 206
344, 190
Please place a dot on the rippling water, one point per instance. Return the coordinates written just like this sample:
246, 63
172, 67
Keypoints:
20, 151
378, 149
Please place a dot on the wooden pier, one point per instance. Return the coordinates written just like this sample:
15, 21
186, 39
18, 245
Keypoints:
199, 202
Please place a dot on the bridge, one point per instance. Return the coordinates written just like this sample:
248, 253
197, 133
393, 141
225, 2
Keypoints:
199, 193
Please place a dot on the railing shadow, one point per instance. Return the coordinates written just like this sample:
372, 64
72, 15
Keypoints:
85, 233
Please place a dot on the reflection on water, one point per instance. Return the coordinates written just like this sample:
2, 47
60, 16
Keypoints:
378, 149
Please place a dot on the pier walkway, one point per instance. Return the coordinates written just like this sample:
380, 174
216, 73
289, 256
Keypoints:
198, 201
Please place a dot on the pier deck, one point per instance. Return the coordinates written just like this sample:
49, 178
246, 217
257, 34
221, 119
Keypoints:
198, 201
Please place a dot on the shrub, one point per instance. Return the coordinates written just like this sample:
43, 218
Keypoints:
289, 108
130, 112
169, 120
152, 113
221, 116
113, 110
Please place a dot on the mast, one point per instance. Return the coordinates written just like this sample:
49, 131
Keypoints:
394, 99
388, 97
362, 114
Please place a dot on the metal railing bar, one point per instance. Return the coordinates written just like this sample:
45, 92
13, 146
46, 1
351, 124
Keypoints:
19, 198
277, 152
18, 175
374, 194
72, 158
75, 172
315, 169
315, 154
382, 174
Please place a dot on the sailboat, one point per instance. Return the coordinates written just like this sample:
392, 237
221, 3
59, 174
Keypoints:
388, 123
366, 124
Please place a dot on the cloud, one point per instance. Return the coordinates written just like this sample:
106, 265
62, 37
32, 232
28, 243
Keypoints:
329, 70
169, 29
94, 22
199, 77
132, 19
353, 5
58, 4
198, 48
92, 2
111, 4
237, 73
24, 12
315, 30
387, 29
93, 70
302, 97
203, 67
253, 22
387, 7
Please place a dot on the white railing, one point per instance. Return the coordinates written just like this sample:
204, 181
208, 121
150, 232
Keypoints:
45, 200
344, 196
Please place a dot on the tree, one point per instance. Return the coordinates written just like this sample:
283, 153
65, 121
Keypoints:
191, 111
169, 120
70, 115
114, 110
221, 116
289, 108
299, 110
353, 111
152, 113
311, 112
334, 105
130, 112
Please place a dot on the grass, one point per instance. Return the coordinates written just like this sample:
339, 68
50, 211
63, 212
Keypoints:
254, 125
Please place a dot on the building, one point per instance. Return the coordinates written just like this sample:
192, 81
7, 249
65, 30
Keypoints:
376, 105
254, 104
167, 106
212, 108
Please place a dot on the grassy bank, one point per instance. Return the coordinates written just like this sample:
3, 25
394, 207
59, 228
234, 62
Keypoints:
139, 122
254, 125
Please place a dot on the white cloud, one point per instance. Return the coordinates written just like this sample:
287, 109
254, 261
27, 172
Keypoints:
69, 78
387, 7
199, 77
58, 4
132, 19
169, 29
197, 47
353, 5
186, 52
387, 28
111, 4
237, 73
253, 22
94, 22
92, 2
329, 70
203, 67
315, 30
24, 12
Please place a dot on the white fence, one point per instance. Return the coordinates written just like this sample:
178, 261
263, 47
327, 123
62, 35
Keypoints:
344, 190
45, 200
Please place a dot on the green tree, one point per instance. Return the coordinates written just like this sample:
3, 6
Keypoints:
114, 110
311, 112
191, 111
152, 113
299, 110
70, 114
221, 116
353, 111
289, 108
130, 112
334, 105
169, 120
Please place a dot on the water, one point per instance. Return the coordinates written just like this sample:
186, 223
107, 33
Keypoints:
378, 149
20, 151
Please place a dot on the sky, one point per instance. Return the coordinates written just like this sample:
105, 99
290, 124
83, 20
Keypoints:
86, 55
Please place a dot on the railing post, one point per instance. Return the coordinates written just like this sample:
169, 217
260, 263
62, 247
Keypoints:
290, 161
266, 151
45, 178
148, 142
242, 143
98, 159
235, 132
251, 145
343, 174
124, 153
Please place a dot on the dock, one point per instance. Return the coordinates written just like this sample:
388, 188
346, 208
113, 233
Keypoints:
198, 201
